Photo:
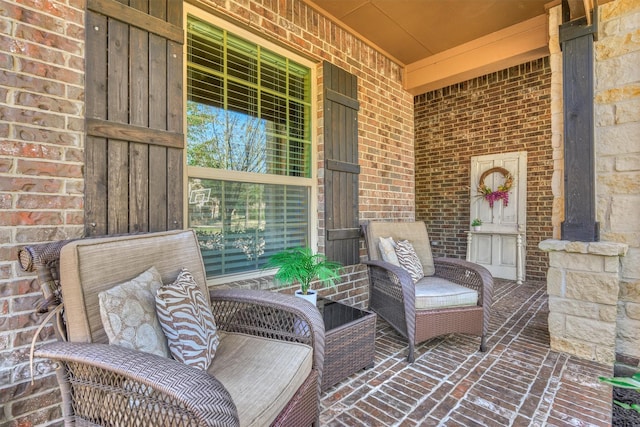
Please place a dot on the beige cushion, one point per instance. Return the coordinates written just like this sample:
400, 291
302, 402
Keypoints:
415, 232
409, 260
388, 250
261, 374
435, 292
90, 266
128, 313
187, 321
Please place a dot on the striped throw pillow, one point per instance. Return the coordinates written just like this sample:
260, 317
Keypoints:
409, 260
187, 321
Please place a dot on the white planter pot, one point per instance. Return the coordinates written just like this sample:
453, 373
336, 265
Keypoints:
477, 227
311, 296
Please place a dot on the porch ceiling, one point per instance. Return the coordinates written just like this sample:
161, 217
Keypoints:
443, 42
411, 30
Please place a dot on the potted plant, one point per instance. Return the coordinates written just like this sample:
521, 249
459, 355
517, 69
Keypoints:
303, 266
632, 403
476, 224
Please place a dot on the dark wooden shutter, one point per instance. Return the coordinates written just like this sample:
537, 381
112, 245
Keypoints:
134, 116
577, 43
341, 165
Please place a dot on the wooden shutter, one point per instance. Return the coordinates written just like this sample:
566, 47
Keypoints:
341, 165
134, 117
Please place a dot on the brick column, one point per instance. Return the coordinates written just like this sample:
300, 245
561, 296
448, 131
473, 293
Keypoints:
583, 284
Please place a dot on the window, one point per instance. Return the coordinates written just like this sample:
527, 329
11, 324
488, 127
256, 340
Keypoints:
249, 149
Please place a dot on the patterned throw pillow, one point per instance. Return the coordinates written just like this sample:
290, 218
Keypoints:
128, 313
409, 260
187, 321
388, 250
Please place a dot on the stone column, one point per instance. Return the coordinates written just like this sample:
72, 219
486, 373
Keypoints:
583, 284
557, 120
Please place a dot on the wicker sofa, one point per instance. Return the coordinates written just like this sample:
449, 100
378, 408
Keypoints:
249, 382
394, 296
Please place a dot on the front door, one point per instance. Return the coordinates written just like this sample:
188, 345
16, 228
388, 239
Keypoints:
503, 213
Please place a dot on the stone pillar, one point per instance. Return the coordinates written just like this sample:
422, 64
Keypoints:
557, 120
583, 284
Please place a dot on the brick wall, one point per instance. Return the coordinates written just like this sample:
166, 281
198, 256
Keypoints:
41, 155
352, 288
501, 112
41, 143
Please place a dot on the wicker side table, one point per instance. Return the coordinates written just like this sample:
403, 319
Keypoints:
349, 340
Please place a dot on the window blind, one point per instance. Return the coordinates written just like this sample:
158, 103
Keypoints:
244, 99
248, 111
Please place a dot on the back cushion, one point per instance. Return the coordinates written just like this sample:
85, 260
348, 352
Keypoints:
90, 266
414, 232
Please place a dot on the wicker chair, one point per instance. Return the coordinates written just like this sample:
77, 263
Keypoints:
393, 293
109, 385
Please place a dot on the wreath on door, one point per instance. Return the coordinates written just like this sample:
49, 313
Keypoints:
502, 193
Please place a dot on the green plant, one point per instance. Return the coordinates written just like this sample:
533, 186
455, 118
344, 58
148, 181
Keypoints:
632, 382
303, 266
476, 222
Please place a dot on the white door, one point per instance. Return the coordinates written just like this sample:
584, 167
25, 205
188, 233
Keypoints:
496, 245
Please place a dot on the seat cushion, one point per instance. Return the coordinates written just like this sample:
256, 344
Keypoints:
261, 374
434, 292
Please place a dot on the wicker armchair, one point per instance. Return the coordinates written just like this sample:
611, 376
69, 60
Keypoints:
393, 293
108, 385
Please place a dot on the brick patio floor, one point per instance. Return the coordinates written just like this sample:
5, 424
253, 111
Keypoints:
519, 381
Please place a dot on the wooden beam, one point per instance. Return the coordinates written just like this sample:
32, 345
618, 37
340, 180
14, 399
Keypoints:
343, 234
137, 18
514, 45
336, 165
341, 99
126, 132
588, 7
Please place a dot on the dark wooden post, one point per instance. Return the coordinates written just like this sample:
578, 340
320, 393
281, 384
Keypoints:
576, 41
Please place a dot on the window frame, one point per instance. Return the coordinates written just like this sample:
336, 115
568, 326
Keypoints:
252, 177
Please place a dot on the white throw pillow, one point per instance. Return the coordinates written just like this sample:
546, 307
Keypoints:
128, 313
409, 260
388, 250
187, 321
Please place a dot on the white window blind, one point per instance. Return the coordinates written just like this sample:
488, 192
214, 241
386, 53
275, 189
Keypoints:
248, 149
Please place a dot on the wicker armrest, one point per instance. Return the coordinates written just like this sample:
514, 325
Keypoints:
402, 274
390, 276
143, 387
467, 274
395, 283
44, 259
271, 315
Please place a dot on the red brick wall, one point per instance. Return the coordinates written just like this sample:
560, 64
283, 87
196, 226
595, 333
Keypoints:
42, 143
352, 288
501, 112
41, 185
